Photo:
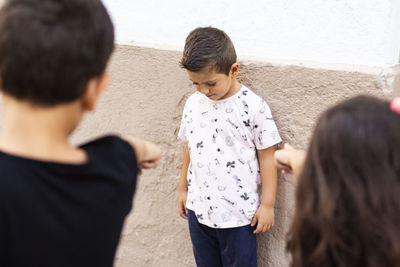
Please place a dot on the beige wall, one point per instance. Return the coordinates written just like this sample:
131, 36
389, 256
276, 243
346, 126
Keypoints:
146, 98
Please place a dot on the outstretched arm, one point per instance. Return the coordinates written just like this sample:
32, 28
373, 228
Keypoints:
290, 160
148, 154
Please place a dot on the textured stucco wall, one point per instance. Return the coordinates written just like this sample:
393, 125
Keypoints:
360, 32
146, 98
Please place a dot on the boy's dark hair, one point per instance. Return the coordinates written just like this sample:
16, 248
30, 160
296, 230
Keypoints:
50, 49
208, 47
348, 202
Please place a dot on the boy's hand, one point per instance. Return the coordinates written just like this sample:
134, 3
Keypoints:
290, 160
148, 154
182, 196
264, 218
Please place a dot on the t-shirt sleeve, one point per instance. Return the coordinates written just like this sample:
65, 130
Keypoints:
114, 155
265, 131
183, 127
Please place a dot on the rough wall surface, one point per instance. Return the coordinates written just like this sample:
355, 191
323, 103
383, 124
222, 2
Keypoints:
146, 97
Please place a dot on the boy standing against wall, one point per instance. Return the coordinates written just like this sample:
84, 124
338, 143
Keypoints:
60, 205
230, 136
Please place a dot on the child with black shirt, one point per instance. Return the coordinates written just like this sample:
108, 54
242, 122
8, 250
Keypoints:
60, 205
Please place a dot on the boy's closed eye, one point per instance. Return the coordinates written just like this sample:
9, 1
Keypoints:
208, 84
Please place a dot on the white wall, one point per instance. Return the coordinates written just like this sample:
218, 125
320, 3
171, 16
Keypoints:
361, 32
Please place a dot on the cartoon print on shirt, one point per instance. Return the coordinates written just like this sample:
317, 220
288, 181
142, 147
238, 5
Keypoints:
230, 165
199, 146
263, 108
233, 124
221, 188
223, 150
229, 110
260, 137
215, 135
245, 107
209, 172
229, 141
275, 135
248, 164
226, 217
230, 202
211, 210
245, 195
214, 138
238, 183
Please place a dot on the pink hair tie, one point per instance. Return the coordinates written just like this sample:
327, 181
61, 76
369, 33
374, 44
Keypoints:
395, 105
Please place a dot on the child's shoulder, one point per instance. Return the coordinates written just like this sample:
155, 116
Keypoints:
193, 101
194, 97
109, 144
252, 99
250, 94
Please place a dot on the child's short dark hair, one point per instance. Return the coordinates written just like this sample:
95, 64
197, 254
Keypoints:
50, 49
208, 47
347, 208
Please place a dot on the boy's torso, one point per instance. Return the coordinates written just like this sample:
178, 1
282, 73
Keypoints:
223, 174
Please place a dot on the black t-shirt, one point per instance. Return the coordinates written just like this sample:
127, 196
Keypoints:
54, 214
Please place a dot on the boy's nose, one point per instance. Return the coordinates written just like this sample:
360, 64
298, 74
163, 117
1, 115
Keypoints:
204, 90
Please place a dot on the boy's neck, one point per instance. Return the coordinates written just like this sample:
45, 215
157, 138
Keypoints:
40, 132
236, 85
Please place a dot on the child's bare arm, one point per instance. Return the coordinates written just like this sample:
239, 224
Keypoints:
183, 186
264, 217
148, 154
290, 160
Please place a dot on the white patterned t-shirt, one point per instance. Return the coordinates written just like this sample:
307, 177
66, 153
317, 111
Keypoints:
223, 137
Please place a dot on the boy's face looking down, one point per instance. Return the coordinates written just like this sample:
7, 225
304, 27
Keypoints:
214, 85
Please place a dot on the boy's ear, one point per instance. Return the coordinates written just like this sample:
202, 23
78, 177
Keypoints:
94, 88
235, 69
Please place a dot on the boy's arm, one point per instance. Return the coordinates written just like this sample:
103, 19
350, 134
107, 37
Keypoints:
264, 217
183, 186
148, 154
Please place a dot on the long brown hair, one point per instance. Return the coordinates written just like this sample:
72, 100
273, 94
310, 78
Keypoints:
348, 195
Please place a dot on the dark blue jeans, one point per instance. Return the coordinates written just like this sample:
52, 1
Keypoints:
233, 247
